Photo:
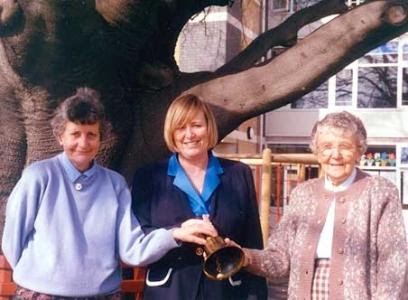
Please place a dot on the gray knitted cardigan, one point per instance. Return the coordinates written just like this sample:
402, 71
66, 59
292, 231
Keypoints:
369, 250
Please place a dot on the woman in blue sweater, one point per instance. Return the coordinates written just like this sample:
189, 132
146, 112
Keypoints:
69, 220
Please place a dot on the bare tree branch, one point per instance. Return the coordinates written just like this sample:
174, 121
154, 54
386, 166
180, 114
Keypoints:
285, 35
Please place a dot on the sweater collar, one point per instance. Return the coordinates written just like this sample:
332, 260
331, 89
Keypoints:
341, 187
356, 186
72, 172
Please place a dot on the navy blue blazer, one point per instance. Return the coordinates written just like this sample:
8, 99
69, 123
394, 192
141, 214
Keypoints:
157, 203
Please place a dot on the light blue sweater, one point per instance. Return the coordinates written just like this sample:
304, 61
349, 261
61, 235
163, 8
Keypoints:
66, 231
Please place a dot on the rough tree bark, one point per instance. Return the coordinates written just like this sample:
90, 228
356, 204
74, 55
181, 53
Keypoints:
124, 49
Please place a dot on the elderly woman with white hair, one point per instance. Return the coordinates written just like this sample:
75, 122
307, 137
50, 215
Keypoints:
342, 236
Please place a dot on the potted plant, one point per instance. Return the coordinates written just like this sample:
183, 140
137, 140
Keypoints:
384, 159
392, 159
377, 159
370, 159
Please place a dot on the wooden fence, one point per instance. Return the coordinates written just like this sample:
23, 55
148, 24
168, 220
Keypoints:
267, 161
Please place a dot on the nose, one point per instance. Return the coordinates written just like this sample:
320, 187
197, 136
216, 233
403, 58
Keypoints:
83, 141
335, 152
189, 131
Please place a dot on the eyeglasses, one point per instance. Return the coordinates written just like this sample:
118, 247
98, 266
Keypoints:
344, 150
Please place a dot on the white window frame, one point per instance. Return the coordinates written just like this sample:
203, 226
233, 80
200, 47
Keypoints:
400, 64
352, 3
288, 7
403, 40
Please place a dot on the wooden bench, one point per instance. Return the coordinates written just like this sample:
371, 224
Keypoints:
132, 286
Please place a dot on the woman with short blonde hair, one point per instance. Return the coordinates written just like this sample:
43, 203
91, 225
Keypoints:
181, 111
194, 183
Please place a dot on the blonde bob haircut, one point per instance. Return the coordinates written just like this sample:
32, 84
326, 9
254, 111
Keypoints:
181, 111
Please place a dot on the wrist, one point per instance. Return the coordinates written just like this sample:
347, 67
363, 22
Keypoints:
176, 234
247, 257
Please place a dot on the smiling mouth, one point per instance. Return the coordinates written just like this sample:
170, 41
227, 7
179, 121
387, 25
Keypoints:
191, 143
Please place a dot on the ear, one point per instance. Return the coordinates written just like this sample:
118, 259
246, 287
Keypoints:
59, 140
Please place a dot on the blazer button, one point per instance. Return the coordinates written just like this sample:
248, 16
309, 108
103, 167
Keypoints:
340, 251
340, 282
199, 251
342, 200
343, 221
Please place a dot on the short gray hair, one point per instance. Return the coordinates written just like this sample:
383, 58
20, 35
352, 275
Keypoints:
344, 121
84, 107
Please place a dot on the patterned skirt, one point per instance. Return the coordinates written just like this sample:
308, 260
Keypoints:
25, 294
320, 286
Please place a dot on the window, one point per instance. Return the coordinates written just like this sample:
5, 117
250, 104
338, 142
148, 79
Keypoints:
404, 76
314, 99
344, 81
379, 156
300, 4
280, 5
405, 52
352, 3
377, 77
404, 86
377, 87
404, 188
404, 156
387, 53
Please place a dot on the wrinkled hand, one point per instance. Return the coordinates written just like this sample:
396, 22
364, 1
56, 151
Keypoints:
231, 243
247, 253
194, 231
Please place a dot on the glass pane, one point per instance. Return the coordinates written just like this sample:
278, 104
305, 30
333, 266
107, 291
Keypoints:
387, 53
343, 87
300, 4
404, 156
404, 187
280, 4
405, 52
315, 99
405, 86
377, 87
354, 2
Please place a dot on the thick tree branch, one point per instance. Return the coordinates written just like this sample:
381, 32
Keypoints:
302, 68
283, 35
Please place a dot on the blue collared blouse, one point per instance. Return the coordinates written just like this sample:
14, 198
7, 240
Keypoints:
199, 203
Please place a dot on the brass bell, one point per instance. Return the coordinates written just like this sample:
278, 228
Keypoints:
221, 261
